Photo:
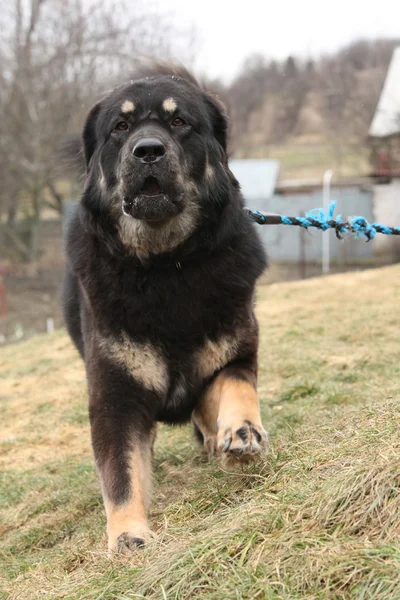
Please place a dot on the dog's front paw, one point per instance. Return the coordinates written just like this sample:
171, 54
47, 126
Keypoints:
135, 537
244, 441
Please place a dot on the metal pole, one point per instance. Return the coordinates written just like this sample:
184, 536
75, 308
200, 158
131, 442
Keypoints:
302, 257
326, 194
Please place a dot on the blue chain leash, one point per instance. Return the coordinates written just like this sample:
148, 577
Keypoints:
359, 226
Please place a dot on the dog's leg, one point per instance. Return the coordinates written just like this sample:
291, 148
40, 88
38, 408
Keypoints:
228, 416
240, 431
205, 417
127, 525
122, 441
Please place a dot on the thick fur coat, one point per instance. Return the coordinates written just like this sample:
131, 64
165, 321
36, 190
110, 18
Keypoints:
159, 288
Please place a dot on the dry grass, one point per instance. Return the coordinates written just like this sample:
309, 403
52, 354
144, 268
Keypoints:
320, 518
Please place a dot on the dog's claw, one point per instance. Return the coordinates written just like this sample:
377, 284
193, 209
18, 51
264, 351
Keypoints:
226, 445
245, 442
127, 543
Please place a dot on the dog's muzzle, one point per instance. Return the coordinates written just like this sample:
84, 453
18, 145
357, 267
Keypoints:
152, 203
149, 190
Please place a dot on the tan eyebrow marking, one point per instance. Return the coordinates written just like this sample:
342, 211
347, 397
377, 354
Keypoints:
127, 106
169, 105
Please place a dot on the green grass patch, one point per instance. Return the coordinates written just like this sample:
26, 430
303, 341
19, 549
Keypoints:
302, 390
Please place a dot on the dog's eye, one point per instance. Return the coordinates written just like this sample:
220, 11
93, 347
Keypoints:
178, 122
121, 126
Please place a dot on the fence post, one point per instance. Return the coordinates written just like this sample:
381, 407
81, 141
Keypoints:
302, 256
326, 196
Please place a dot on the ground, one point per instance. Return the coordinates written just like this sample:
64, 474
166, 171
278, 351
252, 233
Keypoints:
318, 518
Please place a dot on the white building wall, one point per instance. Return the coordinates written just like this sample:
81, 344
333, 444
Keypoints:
387, 211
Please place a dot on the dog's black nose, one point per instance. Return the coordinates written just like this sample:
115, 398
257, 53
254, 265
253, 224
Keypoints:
149, 150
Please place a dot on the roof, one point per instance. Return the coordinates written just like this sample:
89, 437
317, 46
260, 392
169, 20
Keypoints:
386, 119
257, 176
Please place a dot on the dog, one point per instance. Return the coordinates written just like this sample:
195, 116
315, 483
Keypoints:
158, 297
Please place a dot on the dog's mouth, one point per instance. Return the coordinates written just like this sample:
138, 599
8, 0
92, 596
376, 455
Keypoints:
151, 187
152, 203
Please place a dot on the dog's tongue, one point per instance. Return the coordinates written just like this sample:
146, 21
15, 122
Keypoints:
151, 187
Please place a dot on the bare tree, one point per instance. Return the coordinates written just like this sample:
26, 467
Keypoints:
266, 100
349, 96
338, 92
246, 95
57, 55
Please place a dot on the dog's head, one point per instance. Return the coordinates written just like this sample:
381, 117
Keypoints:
155, 151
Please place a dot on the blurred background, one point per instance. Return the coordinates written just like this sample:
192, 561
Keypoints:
313, 94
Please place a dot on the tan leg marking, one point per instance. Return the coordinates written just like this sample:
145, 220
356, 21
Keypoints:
240, 431
127, 525
205, 416
229, 418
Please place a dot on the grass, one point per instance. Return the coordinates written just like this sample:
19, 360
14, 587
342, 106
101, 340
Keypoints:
318, 519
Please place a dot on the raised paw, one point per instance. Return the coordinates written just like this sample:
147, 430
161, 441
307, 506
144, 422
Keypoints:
244, 442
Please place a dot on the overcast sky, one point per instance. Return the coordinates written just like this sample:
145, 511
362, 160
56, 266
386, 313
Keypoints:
230, 30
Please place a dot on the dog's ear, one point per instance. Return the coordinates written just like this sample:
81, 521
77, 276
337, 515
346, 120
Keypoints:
89, 133
219, 120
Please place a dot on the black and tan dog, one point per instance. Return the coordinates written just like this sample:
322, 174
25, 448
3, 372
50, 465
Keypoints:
159, 288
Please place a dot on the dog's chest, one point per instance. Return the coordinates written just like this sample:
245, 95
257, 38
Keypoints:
157, 368
175, 308
171, 331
